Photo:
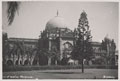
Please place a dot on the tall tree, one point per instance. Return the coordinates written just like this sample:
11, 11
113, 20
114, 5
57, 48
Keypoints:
109, 46
83, 48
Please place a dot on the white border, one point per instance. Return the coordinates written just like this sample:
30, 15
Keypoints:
55, 79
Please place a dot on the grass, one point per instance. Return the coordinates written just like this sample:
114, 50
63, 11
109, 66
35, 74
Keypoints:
58, 67
63, 74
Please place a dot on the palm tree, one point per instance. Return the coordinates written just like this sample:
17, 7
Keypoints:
57, 57
29, 54
13, 52
20, 51
52, 54
17, 50
27, 51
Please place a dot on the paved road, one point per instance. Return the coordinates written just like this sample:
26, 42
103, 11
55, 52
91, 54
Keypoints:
62, 74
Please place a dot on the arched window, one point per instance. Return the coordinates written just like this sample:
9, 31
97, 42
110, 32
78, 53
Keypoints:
9, 62
67, 49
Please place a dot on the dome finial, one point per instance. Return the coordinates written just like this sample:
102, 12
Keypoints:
107, 36
57, 13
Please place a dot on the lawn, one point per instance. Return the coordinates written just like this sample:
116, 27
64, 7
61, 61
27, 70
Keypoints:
63, 74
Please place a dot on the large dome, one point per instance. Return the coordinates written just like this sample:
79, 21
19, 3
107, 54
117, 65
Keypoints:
56, 22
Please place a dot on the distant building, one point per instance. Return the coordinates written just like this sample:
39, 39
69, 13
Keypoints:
116, 58
57, 35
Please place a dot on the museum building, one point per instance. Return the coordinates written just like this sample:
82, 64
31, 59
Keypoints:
56, 35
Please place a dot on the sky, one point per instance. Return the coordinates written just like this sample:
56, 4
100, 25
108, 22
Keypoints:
32, 18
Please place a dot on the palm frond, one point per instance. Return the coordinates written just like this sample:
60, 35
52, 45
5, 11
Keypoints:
11, 11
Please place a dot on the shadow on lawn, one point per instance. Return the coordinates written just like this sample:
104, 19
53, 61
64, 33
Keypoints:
66, 73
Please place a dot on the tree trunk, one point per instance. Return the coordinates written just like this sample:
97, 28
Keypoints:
22, 60
31, 61
82, 66
38, 62
55, 62
49, 61
13, 59
38, 59
18, 59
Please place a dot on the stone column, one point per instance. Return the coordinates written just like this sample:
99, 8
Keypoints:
61, 56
